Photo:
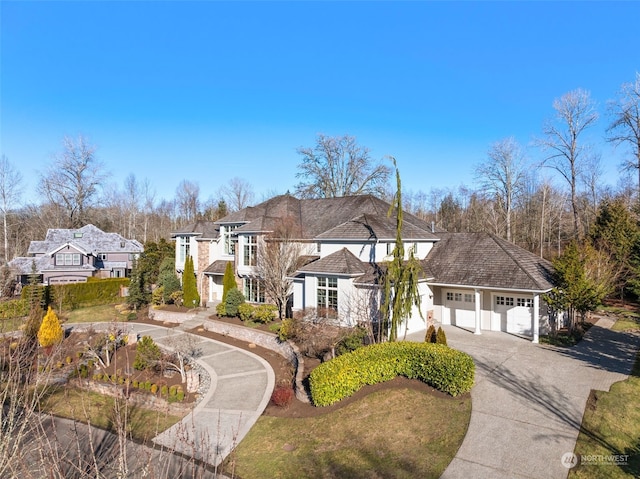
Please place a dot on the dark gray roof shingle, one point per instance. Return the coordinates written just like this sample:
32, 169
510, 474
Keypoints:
481, 259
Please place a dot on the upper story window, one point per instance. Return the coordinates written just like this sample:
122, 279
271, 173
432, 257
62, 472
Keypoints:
250, 250
68, 259
102, 256
327, 297
184, 248
228, 241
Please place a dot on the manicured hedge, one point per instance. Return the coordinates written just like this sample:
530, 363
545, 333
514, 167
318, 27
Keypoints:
14, 308
92, 293
445, 369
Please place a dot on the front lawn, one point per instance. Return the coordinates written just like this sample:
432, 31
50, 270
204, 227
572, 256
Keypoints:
611, 426
393, 433
100, 411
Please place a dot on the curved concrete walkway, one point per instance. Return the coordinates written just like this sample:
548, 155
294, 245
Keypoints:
529, 399
240, 390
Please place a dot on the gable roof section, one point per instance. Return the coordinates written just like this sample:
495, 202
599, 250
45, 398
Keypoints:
484, 260
88, 238
202, 229
341, 262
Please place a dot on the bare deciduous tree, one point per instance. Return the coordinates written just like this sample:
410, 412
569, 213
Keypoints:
74, 179
575, 113
338, 166
277, 259
503, 174
10, 191
188, 199
625, 127
237, 194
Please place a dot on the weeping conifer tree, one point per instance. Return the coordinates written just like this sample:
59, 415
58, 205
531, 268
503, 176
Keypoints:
400, 280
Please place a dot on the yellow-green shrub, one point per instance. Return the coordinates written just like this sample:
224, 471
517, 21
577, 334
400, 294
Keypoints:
446, 369
265, 313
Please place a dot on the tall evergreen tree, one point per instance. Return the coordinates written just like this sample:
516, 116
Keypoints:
167, 279
190, 296
138, 295
400, 286
228, 281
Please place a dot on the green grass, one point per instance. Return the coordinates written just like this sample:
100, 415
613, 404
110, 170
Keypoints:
81, 405
610, 426
397, 433
627, 320
94, 314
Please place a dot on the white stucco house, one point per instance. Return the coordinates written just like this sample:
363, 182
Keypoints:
472, 280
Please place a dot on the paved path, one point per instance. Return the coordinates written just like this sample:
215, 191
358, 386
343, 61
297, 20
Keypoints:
241, 386
529, 399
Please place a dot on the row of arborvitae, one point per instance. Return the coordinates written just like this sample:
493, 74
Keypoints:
434, 336
446, 369
172, 393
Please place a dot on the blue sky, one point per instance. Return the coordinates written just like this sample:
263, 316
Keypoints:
207, 91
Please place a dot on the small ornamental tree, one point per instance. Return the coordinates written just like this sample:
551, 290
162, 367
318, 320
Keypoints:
190, 297
147, 353
50, 332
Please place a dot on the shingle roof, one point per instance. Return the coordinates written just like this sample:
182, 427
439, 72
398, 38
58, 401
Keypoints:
481, 259
341, 262
217, 268
376, 227
202, 229
311, 218
88, 239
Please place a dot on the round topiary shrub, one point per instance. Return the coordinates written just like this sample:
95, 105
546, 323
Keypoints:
234, 299
164, 390
154, 388
245, 311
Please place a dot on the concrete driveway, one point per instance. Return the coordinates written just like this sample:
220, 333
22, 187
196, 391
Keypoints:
529, 399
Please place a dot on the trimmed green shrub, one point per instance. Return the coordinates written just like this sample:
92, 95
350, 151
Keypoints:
172, 390
135, 383
353, 341
287, 328
147, 353
430, 337
92, 293
180, 395
164, 390
157, 296
154, 388
220, 310
14, 308
443, 368
265, 313
234, 299
245, 311
441, 338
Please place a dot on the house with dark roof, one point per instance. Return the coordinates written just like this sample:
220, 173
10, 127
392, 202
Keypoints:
472, 280
73, 255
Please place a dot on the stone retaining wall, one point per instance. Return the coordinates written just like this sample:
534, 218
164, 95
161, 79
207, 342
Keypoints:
171, 316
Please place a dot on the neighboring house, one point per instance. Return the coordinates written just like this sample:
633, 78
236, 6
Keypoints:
473, 280
73, 255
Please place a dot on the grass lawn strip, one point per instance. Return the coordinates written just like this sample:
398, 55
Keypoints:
399, 433
611, 426
87, 406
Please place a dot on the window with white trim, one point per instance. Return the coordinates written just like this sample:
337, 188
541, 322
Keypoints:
250, 250
457, 296
183, 248
327, 297
228, 241
253, 290
68, 259
469, 298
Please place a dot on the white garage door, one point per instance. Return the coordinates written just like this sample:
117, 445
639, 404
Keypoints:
515, 313
462, 308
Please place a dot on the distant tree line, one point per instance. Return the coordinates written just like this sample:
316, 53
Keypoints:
540, 205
